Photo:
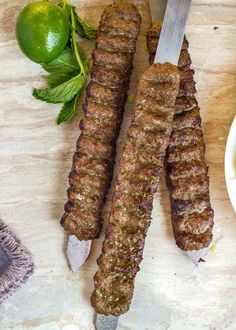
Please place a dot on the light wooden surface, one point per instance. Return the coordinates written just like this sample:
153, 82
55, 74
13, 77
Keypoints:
35, 161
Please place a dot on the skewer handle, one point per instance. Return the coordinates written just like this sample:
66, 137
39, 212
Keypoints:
104, 322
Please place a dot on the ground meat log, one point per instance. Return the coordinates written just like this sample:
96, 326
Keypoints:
140, 168
93, 160
186, 170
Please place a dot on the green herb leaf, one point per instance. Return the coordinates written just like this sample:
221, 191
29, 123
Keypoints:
68, 111
55, 79
84, 30
62, 93
64, 63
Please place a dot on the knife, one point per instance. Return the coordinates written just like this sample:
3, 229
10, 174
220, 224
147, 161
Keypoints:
168, 50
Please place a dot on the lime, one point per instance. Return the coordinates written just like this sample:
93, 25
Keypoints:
42, 31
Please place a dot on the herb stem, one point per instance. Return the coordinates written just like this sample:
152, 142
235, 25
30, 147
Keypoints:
73, 34
65, 4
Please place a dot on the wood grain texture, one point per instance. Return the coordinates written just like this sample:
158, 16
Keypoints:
35, 162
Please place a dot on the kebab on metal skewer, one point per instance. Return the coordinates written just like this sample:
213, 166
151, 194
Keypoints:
94, 158
140, 168
186, 170
139, 174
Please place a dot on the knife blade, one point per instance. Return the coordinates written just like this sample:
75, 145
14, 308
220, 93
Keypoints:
168, 50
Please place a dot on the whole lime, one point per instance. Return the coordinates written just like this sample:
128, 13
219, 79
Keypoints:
42, 31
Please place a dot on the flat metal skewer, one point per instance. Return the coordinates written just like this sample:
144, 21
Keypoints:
107, 322
157, 9
104, 322
77, 252
168, 50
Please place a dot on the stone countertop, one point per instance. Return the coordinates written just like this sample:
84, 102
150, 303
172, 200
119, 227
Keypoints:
35, 162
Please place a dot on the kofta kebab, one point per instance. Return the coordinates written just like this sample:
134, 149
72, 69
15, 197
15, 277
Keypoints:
94, 158
165, 125
186, 170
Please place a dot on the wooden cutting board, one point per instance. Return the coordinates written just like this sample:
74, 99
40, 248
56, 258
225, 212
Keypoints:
35, 162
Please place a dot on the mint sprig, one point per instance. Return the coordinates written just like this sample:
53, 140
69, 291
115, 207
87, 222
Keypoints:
68, 72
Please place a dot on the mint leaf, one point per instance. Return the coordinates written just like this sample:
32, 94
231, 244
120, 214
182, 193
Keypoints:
68, 111
55, 79
79, 30
62, 93
64, 63
84, 30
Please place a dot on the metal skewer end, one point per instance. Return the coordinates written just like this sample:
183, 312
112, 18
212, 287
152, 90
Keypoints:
104, 322
77, 252
196, 255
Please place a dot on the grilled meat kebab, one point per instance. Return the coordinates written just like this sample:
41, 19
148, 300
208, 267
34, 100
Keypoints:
140, 168
186, 170
94, 158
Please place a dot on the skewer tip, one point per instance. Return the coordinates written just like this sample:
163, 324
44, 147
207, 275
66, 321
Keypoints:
196, 255
77, 252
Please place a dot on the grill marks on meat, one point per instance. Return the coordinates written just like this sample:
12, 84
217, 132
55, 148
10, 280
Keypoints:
192, 215
140, 168
93, 160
